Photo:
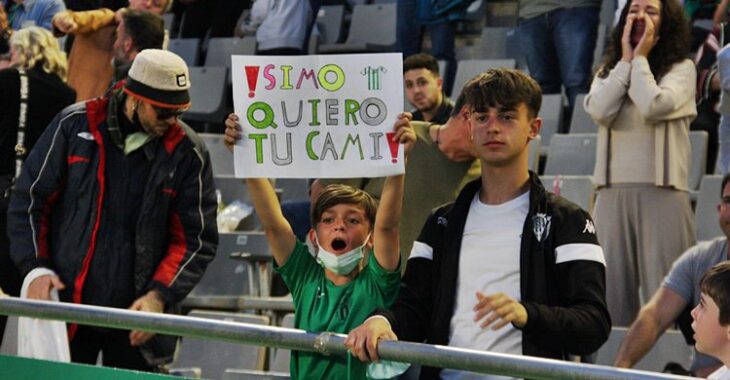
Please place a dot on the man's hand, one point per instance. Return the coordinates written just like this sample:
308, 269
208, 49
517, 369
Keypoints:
404, 132
453, 138
64, 22
627, 51
363, 340
151, 302
4, 25
499, 308
233, 131
40, 288
119, 14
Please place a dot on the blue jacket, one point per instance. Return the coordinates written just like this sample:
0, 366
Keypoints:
41, 12
437, 11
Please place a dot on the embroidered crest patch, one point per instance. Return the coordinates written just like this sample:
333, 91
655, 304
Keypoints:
541, 226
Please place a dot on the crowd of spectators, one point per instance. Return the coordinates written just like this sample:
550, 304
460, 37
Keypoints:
633, 260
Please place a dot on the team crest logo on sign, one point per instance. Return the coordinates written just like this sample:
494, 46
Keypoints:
541, 226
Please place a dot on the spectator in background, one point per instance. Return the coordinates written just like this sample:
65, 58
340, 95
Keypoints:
414, 17
136, 31
198, 17
424, 89
643, 102
678, 293
23, 13
36, 57
559, 39
280, 26
711, 318
90, 69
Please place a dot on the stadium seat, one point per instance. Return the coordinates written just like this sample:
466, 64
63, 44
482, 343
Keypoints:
575, 188
571, 154
221, 158
282, 356
670, 347
214, 357
699, 141
186, 48
208, 95
364, 35
239, 374
220, 50
329, 23
580, 121
500, 43
551, 113
706, 208
469, 68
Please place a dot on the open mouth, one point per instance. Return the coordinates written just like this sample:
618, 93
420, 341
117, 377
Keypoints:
338, 245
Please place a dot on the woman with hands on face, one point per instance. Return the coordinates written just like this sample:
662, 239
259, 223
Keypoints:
643, 100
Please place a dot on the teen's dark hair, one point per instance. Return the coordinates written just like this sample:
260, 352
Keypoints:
505, 88
146, 29
714, 283
673, 45
333, 195
421, 61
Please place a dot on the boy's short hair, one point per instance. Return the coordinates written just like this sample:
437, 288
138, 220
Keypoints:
502, 87
714, 283
336, 194
421, 61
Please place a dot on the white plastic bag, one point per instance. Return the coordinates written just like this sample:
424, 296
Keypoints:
42, 338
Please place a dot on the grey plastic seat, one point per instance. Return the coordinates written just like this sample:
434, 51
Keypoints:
226, 276
571, 154
329, 23
670, 347
207, 94
372, 29
709, 197
293, 189
239, 374
282, 357
580, 121
699, 141
214, 357
551, 113
220, 50
469, 68
186, 48
220, 157
500, 43
575, 188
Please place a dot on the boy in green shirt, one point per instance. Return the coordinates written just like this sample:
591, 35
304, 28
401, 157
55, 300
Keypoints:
338, 288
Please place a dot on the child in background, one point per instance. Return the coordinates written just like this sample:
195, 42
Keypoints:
712, 318
340, 286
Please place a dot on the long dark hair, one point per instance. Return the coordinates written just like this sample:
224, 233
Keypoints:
673, 45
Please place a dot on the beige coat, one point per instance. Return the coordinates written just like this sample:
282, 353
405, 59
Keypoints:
668, 106
89, 64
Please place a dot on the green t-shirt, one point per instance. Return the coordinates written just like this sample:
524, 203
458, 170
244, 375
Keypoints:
321, 306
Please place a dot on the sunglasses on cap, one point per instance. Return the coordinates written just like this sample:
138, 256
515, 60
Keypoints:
166, 113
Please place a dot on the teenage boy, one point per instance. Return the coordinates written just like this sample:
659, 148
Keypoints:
340, 286
507, 267
712, 318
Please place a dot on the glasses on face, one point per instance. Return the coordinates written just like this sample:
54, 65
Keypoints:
166, 113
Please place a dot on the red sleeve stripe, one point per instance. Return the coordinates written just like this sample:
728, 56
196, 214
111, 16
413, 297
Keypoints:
76, 159
175, 252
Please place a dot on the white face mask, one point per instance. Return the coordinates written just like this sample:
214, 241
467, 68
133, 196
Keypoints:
341, 264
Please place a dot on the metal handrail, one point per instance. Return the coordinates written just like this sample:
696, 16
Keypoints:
325, 343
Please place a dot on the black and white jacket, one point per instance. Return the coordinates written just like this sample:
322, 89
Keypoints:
562, 278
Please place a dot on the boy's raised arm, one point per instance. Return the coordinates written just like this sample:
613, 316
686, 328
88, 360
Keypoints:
386, 237
278, 231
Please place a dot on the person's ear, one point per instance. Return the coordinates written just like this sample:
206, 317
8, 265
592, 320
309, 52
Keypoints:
440, 83
535, 126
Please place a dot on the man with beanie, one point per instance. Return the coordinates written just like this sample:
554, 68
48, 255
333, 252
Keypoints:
117, 200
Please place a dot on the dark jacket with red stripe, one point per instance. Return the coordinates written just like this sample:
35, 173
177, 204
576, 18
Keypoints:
55, 209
